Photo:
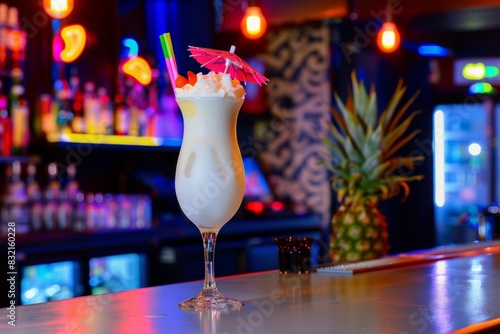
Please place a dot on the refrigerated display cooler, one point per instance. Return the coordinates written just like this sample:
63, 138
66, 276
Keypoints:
465, 170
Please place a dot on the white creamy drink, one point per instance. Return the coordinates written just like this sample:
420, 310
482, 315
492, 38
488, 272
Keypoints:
210, 179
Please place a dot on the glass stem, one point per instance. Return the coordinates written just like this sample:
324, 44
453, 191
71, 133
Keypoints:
209, 252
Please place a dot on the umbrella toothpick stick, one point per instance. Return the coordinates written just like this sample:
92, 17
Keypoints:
228, 62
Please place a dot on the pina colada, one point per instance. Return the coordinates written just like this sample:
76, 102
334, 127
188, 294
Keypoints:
209, 180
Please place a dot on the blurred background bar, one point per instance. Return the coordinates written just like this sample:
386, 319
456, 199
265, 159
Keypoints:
90, 131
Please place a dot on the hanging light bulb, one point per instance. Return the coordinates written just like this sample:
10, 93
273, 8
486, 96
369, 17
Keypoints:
58, 9
253, 24
388, 38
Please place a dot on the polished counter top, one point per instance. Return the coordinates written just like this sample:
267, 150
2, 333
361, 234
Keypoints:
441, 296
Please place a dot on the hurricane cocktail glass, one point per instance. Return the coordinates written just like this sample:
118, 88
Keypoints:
209, 181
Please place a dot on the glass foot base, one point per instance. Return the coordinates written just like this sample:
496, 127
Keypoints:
210, 301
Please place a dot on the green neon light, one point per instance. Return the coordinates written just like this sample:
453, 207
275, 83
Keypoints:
474, 71
479, 71
491, 71
481, 88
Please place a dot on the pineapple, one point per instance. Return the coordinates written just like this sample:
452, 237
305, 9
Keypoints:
362, 158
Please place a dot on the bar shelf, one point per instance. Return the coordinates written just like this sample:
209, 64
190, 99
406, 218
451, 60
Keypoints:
113, 140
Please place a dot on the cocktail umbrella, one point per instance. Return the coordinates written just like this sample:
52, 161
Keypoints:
227, 62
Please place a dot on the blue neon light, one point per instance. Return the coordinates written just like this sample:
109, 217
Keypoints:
432, 50
133, 47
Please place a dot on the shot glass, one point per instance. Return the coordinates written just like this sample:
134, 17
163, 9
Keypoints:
294, 254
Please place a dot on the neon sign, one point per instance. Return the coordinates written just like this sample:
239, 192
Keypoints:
466, 71
74, 38
139, 69
133, 47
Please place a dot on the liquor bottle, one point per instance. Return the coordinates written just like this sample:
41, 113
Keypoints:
65, 115
99, 211
10, 27
5, 204
106, 108
34, 194
16, 39
138, 104
64, 211
170, 119
74, 82
152, 112
68, 200
91, 108
90, 216
143, 212
5, 127
125, 214
51, 197
4, 33
112, 211
79, 218
47, 117
122, 115
78, 121
20, 114
133, 100
63, 110
16, 200
71, 186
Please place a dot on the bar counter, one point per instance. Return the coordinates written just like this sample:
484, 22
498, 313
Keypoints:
453, 294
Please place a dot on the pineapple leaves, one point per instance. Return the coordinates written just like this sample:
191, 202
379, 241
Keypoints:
397, 117
344, 118
389, 110
338, 144
362, 146
394, 148
371, 163
399, 163
397, 132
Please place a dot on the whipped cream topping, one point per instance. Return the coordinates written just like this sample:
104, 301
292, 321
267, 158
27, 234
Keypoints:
212, 85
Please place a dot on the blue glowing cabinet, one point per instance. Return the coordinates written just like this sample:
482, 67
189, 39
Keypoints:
464, 168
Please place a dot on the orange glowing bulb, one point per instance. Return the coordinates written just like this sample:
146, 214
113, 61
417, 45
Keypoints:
58, 9
253, 24
388, 38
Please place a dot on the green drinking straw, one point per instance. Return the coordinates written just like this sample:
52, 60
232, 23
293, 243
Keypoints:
168, 52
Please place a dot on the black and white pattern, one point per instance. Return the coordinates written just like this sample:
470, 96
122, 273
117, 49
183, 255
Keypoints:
299, 95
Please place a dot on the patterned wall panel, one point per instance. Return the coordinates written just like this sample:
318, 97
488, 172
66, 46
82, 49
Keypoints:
299, 93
